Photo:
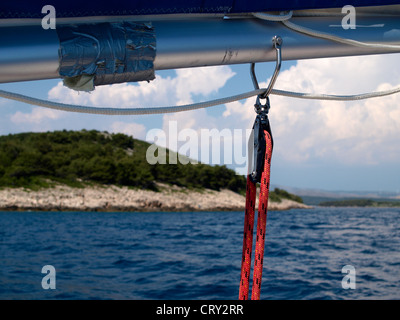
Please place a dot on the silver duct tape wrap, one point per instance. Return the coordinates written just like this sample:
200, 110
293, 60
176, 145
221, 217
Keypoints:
106, 53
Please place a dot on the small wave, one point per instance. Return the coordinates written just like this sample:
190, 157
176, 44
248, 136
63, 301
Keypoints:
123, 263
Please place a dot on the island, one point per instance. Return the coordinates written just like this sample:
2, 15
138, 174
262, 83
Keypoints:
101, 171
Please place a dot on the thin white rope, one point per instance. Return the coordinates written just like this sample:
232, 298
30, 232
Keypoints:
284, 19
327, 36
273, 17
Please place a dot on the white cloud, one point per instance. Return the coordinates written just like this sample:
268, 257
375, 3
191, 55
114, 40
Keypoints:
362, 132
37, 116
160, 92
202, 81
136, 130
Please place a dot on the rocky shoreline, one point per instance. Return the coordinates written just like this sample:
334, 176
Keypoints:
113, 198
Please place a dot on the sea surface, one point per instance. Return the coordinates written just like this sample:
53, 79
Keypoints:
197, 255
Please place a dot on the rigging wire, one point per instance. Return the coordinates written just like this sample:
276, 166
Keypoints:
187, 107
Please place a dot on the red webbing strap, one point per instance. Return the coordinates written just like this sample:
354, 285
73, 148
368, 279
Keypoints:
262, 220
247, 239
261, 227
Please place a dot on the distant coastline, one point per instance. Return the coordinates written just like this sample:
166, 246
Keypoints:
119, 199
362, 203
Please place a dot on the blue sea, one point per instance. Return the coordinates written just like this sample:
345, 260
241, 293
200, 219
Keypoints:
197, 255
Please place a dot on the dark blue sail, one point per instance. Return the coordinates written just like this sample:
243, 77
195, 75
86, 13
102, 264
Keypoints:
78, 8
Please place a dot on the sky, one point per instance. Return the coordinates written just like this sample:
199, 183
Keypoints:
347, 146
